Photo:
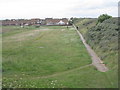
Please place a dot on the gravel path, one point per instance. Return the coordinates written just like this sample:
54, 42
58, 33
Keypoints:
95, 59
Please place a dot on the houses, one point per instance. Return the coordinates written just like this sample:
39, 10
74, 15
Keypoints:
50, 21
35, 21
19, 22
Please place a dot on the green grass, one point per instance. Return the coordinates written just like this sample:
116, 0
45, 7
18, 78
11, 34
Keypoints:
48, 57
80, 78
10, 30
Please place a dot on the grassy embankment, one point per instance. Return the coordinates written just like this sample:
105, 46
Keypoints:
103, 38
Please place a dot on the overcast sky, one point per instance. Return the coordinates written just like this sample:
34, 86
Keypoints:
56, 8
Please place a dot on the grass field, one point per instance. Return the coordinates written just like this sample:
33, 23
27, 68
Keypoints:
48, 57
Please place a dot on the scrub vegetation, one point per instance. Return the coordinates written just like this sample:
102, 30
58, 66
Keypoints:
103, 38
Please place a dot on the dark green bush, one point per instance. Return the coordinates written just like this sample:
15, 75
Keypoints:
103, 17
104, 35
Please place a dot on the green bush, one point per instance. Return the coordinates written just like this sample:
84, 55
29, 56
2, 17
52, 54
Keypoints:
103, 17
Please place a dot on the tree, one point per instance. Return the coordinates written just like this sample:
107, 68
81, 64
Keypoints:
103, 17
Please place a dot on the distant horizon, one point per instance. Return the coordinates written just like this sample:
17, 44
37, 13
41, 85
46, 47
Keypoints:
26, 9
42, 18
49, 17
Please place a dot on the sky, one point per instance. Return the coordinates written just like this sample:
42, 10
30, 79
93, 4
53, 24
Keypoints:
27, 9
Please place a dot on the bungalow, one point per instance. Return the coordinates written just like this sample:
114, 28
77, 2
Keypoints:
20, 22
35, 21
50, 21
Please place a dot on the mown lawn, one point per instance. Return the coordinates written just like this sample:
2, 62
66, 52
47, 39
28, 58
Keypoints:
48, 57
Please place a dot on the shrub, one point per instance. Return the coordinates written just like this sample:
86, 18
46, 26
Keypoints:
103, 17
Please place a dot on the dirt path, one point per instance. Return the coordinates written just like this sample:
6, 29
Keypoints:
64, 72
95, 59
